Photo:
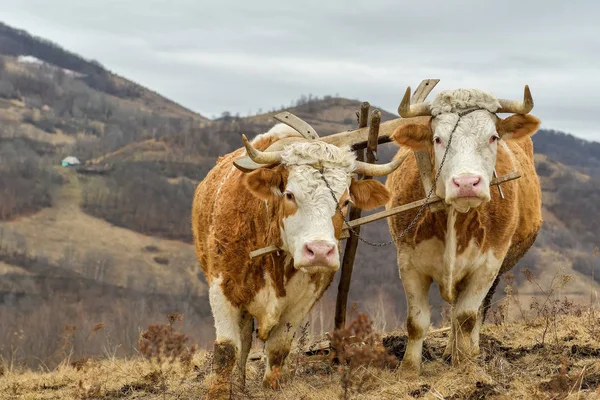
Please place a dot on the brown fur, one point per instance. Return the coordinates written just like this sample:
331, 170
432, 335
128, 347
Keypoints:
517, 125
223, 361
244, 224
414, 136
367, 194
413, 330
466, 321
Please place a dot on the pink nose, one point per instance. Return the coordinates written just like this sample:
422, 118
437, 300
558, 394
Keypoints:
319, 252
467, 185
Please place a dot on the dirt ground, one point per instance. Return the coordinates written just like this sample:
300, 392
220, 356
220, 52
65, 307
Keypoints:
544, 358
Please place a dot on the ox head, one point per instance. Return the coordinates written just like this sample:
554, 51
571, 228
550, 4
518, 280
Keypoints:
470, 116
308, 219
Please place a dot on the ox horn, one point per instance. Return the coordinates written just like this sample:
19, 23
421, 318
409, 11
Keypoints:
517, 107
407, 110
379, 169
261, 157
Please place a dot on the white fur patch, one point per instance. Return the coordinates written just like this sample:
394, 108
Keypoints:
315, 205
324, 154
452, 101
268, 309
471, 151
278, 131
226, 316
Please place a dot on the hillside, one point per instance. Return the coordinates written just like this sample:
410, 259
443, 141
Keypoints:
109, 241
15, 42
567, 149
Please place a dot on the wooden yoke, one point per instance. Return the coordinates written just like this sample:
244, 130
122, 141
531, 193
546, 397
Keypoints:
369, 137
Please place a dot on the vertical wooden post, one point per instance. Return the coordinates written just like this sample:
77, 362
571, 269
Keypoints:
354, 213
422, 156
372, 140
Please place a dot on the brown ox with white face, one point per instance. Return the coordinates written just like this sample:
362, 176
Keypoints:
284, 201
479, 236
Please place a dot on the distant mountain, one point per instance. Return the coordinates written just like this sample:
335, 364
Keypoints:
17, 42
569, 150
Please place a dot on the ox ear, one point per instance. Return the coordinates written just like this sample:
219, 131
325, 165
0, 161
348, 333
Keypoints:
369, 194
415, 136
517, 126
265, 183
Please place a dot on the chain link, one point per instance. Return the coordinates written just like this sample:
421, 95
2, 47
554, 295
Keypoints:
425, 204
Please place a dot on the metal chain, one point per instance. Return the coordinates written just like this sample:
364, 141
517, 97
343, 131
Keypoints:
425, 204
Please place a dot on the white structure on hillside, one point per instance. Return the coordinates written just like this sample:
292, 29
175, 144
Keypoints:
70, 160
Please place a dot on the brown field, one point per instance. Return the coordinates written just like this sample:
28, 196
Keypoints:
556, 356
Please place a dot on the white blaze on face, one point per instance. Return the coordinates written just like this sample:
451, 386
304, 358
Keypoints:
309, 234
470, 160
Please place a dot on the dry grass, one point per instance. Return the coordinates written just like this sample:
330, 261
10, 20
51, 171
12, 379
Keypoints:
513, 365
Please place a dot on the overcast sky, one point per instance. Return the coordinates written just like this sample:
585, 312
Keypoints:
242, 56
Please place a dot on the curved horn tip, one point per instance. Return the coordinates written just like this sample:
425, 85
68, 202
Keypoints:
247, 145
261, 157
407, 94
379, 169
527, 98
404, 107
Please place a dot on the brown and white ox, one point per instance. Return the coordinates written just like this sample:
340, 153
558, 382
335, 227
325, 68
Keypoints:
479, 236
283, 202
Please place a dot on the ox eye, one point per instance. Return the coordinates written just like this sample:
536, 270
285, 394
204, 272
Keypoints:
346, 203
437, 140
289, 196
494, 138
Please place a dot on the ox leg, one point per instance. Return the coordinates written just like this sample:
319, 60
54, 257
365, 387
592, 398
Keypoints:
278, 347
467, 316
416, 287
280, 339
246, 328
228, 341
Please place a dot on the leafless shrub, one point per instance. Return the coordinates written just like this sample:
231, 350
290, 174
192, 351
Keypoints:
164, 343
299, 358
549, 308
28, 182
355, 348
165, 347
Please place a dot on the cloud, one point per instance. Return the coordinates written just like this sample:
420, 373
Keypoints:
245, 56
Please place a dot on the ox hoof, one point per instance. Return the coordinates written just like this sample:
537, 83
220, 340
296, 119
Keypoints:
409, 369
447, 356
459, 359
274, 380
218, 392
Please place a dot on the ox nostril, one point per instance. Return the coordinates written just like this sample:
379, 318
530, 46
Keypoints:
308, 251
466, 182
331, 251
319, 250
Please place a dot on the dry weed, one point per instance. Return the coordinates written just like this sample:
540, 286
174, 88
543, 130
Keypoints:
357, 347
